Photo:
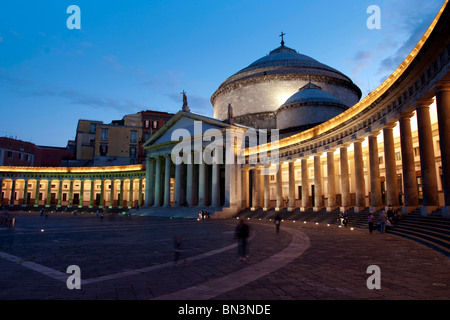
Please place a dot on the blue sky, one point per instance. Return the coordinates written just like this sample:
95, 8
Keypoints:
136, 55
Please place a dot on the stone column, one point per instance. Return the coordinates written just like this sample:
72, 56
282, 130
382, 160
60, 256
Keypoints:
1, 187
190, 181
279, 181
167, 181
345, 184
202, 182
305, 186
91, 194
318, 192
255, 188
140, 193
390, 166
102, 191
157, 200
359, 176
246, 187
49, 190
60, 192
411, 197
130, 194
215, 181
25, 193
36, 193
149, 182
266, 205
121, 193
111, 194
443, 112
13, 190
427, 158
71, 193
80, 205
230, 177
331, 180
291, 205
375, 181
177, 194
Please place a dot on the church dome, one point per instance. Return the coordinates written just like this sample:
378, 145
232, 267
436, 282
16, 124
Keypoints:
258, 90
306, 108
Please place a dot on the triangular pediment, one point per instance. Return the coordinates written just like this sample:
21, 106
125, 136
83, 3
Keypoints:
188, 121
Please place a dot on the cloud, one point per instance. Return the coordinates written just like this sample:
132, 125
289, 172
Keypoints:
113, 61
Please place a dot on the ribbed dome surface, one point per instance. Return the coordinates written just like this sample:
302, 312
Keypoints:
286, 57
311, 93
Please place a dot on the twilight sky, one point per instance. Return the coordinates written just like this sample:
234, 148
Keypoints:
136, 55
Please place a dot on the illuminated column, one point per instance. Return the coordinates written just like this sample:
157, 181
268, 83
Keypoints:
331, 181
157, 201
91, 194
60, 192
111, 194
318, 199
291, 205
190, 181
202, 182
246, 187
266, 205
36, 193
25, 193
80, 205
375, 182
230, 175
443, 112
279, 181
411, 197
130, 194
305, 186
178, 182
150, 182
140, 192
390, 166
49, 190
102, 191
427, 159
167, 181
215, 180
359, 175
13, 190
70, 193
121, 193
1, 187
256, 179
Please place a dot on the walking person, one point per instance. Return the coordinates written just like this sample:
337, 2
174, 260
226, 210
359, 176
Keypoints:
241, 234
277, 222
370, 221
383, 219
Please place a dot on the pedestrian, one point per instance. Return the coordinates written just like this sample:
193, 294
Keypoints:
176, 250
277, 222
370, 221
383, 219
241, 234
46, 214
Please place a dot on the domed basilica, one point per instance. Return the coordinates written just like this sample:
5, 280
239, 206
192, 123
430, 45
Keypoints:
285, 90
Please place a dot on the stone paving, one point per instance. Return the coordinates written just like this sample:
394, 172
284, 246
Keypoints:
131, 258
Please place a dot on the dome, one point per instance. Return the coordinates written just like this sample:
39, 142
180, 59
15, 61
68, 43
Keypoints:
287, 57
306, 108
257, 91
310, 94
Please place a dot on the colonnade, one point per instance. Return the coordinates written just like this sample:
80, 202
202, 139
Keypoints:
72, 192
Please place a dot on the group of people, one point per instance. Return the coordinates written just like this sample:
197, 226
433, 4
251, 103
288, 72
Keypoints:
385, 220
204, 214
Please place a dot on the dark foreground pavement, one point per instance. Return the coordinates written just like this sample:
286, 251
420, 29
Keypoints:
132, 258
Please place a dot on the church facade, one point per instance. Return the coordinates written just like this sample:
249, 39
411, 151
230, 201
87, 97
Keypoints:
288, 133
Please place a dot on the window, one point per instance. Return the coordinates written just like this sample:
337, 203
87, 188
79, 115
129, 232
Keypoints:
380, 160
132, 152
272, 178
104, 136
133, 137
103, 149
92, 127
398, 156
416, 152
147, 124
155, 124
10, 154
